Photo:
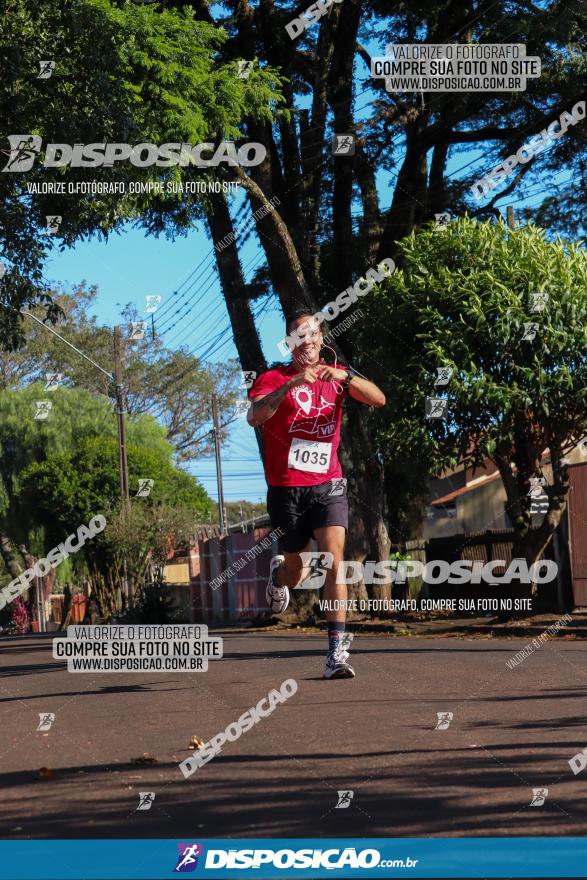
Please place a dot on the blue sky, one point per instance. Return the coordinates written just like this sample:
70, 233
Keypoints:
130, 266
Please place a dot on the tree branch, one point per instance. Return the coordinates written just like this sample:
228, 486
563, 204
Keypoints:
285, 241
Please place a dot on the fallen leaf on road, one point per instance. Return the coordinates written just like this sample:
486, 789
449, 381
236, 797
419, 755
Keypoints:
46, 773
196, 743
145, 758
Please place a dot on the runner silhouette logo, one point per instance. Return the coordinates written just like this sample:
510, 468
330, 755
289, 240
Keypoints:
187, 860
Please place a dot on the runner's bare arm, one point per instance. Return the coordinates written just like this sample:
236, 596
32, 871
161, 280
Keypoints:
366, 392
265, 405
360, 389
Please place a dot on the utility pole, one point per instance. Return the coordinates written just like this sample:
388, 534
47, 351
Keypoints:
117, 380
120, 412
41, 617
122, 459
216, 433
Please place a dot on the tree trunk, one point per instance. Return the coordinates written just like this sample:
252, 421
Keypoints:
286, 270
340, 98
437, 188
531, 548
66, 615
371, 224
7, 551
234, 289
530, 543
409, 205
312, 137
106, 594
233, 286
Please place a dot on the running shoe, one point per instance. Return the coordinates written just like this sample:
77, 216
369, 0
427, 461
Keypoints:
277, 597
336, 662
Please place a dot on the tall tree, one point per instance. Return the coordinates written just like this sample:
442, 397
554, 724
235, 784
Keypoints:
172, 385
516, 390
71, 487
76, 416
313, 244
124, 73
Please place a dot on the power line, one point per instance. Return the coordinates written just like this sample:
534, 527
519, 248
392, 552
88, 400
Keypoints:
62, 338
248, 265
212, 271
199, 267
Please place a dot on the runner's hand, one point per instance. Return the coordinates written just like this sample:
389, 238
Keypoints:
328, 373
309, 375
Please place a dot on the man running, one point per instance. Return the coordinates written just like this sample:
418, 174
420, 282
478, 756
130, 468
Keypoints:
299, 406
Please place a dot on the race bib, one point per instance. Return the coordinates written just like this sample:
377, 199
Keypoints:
308, 455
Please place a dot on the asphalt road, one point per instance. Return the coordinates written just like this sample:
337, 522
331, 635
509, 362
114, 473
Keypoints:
512, 731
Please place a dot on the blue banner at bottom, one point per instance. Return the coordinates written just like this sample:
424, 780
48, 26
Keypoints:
227, 859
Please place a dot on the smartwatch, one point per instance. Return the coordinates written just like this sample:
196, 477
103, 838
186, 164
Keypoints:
350, 373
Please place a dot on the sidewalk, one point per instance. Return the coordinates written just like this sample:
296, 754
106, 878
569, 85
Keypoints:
423, 625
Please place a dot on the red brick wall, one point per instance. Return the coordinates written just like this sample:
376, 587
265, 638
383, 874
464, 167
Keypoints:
241, 595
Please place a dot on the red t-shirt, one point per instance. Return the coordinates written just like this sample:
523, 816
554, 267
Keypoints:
302, 436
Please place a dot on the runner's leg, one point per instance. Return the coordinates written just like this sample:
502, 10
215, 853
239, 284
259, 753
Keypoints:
287, 508
291, 572
331, 539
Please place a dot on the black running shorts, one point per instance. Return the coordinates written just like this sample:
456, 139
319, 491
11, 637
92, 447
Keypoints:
298, 510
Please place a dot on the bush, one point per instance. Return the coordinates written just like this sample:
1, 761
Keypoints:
153, 604
20, 620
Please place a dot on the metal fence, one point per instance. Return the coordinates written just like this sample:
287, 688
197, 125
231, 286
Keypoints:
480, 547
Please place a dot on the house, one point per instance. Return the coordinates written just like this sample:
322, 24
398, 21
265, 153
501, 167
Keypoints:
223, 578
466, 501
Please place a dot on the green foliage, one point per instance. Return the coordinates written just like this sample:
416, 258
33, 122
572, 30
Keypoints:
72, 487
144, 536
76, 415
61, 472
174, 386
125, 73
153, 604
461, 300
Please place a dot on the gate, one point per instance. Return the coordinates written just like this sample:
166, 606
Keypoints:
577, 507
